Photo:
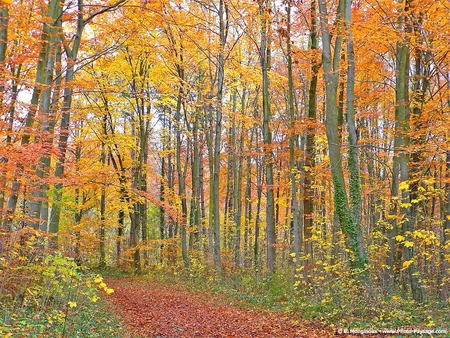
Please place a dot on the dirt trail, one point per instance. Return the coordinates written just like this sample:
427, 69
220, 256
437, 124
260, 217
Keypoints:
151, 309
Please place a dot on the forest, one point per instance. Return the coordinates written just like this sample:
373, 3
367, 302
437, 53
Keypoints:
291, 154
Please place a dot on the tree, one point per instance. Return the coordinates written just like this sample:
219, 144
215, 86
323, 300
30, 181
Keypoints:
331, 66
264, 58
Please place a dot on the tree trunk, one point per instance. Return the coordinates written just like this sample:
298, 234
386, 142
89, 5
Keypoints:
309, 152
38, 204
65, 121
444, 292
40, 77
238, 189
293, 143
223, 18
102, 230
181, 183
331, 76
4, 18
353, 153
402, 123
256, 264
264, 56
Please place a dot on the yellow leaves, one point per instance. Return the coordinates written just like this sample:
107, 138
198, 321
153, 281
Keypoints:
408, 244
427, 236
72, 304
400, 238
406, 264
6, 2
430, 321
98, 279
314, 237
94, 299
294, 259
429, 181
102, 285
403, 185
32, 293
447, 257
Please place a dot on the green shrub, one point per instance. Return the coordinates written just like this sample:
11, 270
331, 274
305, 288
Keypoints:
45, 294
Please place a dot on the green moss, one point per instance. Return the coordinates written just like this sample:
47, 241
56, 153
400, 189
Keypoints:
348, 225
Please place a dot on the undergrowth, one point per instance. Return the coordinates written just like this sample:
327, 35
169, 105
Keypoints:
45, 294
335, 297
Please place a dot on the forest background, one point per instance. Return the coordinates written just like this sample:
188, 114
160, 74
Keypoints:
296, 147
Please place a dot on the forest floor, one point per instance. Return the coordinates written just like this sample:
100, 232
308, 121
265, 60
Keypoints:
154, 309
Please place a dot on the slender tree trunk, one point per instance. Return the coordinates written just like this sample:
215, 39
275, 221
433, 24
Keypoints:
264, 9
229, 196
444, 292
223, 18
353, 153
293, 169
195, 221
181, 183
102, 230
162, 199
309, 152
120, 222
248, 203
256, 264
77, 220
135, 212
202, 198
4, 18
238, 192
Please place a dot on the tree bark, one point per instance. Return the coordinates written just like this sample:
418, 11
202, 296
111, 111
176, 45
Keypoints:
331, 68
264, 57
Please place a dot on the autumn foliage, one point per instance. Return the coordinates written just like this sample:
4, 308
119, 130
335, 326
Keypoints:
306, 138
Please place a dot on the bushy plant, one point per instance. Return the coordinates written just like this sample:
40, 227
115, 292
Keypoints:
45, 294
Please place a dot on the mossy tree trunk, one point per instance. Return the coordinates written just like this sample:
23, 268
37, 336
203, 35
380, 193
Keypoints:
331, 67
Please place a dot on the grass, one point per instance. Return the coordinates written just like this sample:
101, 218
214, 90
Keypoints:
338, 300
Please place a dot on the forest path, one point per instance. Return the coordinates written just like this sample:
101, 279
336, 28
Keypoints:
153, 309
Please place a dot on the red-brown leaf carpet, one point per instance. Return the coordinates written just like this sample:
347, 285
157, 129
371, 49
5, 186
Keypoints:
153, 309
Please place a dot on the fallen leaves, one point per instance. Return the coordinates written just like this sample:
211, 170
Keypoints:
155, 310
